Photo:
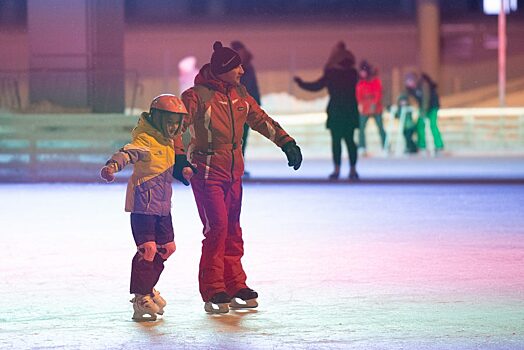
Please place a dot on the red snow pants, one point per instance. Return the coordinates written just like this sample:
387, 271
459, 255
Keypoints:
219, 204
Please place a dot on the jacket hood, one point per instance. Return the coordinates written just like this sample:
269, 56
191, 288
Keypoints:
207, 78
143, 126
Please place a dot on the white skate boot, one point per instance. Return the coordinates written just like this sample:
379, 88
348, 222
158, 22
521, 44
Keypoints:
246, 298
144, 305
218, 304
159, 301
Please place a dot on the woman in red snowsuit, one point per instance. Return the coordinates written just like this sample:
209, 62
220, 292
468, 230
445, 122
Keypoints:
218, 106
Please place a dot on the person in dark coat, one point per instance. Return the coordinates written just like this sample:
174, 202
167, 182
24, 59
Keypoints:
249, 80
340, 77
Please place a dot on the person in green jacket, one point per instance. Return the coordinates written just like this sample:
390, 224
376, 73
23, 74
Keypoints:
424, 90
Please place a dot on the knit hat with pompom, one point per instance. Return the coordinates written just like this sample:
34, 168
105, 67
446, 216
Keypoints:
223, 59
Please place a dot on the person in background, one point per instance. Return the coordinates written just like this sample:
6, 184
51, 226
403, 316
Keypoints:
424, 90
409, 126
340, 78
218, 107
187, 71
369, 97
249, 80
157, 155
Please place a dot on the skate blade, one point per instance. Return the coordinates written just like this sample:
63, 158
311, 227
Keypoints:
237, 303
137, 317
212, 308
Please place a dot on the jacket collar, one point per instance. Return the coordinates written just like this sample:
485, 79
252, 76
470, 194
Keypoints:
207, 78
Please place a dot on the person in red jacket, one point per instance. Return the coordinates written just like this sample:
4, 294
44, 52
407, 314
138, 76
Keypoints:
369, 97
218, 106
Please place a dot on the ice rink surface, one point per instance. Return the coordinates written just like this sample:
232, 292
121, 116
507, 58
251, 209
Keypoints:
370, 265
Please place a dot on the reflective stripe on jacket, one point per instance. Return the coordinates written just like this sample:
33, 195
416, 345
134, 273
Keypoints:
217, 113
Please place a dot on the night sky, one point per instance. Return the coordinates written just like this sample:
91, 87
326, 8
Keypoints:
14, 12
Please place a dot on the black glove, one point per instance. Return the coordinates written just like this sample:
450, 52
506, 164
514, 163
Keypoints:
180, 163
293, 154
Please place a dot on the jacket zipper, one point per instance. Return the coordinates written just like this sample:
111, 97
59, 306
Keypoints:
233, 135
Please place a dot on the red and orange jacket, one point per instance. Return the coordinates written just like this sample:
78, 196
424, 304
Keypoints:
369, 96
217, 113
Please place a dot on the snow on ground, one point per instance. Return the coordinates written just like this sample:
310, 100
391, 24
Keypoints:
364, 266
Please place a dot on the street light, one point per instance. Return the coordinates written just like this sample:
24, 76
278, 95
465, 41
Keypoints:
492, 7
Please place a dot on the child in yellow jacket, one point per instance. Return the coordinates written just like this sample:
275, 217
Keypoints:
157, 153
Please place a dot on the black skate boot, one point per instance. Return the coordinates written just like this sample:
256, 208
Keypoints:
218, 304
246, 298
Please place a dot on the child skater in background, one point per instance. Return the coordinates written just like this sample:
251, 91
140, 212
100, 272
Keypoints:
157, 153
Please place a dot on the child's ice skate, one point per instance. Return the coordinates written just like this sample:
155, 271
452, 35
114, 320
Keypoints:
246, 298
218, 304
144, 305
159, 301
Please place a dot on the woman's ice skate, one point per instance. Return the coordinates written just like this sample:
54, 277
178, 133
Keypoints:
353, 175
334, 176
144, 308
218, 304
159, 301
246, 298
